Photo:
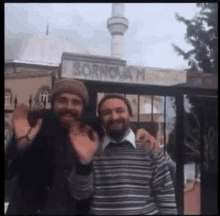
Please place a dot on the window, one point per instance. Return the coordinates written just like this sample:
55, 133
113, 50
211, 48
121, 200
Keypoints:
43, 96
133, 99
9, 70
8, 97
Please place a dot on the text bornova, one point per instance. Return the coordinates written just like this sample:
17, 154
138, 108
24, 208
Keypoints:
87, 70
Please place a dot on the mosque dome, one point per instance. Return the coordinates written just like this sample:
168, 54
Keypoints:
48, 48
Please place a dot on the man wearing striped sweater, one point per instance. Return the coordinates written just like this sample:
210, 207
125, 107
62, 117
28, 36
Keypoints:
121, 178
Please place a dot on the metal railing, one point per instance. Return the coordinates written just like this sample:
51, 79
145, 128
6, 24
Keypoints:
30, 102
178, 92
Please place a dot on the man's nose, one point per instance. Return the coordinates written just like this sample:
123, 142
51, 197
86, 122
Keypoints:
114, 115
69, 105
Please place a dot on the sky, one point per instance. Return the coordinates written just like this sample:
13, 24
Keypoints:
152, 28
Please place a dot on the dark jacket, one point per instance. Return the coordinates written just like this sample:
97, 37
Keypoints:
42, 170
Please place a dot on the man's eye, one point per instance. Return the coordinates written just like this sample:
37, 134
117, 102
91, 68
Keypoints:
120, 111
62, 100
106, 112
77, 102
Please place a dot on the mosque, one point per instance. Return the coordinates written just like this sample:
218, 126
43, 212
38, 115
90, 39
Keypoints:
102, 74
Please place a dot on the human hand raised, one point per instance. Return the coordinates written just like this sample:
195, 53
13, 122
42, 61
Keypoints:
22, 130
84, 140
147, 139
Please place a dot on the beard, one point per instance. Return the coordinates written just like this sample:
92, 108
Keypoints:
117, 135
67, 117
117, 129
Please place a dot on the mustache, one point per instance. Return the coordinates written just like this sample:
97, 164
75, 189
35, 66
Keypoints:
118, 121
73, 114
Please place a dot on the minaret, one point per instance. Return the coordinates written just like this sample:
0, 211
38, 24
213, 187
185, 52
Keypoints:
117, 25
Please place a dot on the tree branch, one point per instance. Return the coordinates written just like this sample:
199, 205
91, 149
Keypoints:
189, 146
191, 137
196, 119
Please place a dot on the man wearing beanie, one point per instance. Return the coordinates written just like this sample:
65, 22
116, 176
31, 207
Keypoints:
44, 148
42, 152
125, 179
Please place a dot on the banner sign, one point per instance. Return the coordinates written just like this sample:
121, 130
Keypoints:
122, 74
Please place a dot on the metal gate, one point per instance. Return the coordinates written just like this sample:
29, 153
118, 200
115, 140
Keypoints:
178, 93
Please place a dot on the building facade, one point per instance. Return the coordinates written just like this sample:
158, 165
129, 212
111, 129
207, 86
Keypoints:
28, 83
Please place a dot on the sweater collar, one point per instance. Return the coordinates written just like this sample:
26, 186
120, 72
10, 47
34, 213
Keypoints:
130, 137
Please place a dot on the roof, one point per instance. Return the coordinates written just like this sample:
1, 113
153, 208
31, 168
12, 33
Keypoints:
24, 75
93, 58
156, 69
48, 48
30, 62
194, 86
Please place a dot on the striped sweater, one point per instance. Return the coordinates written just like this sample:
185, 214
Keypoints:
125, 181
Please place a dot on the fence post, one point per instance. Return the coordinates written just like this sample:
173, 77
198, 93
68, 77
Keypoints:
92, 97
164, 128
30, 102
45, 103
15, 102
53, 79
138, 117
152, 108
196, 170
179, 152
202, 159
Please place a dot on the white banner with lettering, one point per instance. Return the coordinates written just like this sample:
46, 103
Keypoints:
128, 74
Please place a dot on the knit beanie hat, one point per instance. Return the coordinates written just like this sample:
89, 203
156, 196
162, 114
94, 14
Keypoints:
124, 99
72, 86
